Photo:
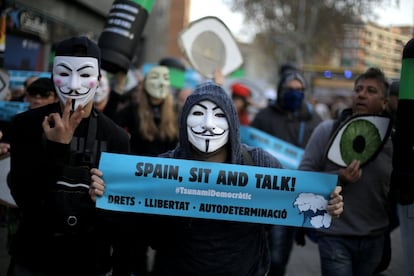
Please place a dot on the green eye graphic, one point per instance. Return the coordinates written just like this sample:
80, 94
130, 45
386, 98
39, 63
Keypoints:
360, 138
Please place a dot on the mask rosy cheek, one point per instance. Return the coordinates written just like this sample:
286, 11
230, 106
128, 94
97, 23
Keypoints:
92, 84
58, 82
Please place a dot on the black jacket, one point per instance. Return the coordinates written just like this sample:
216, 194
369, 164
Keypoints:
36, 165
188, 246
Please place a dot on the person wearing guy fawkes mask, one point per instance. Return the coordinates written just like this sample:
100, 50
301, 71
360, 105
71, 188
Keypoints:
54, 147
210, 131
152, 121
153, 125
291, 119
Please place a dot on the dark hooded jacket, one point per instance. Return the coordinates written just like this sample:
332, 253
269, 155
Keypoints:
294, 128
189, 246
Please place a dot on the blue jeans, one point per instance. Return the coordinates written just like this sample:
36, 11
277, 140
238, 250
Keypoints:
350, 256
406, 217
280, 242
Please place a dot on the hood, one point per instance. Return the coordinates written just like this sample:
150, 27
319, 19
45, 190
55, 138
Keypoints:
214, 93
286, 78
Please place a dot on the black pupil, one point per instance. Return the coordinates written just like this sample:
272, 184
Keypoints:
359, 144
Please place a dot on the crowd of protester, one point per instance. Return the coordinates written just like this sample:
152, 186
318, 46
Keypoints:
60, 138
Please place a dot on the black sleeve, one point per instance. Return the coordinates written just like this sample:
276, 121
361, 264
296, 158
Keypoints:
35, 163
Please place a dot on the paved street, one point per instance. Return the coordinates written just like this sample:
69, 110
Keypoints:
304, 260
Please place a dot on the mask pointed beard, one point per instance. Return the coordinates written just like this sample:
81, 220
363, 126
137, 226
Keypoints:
207, 145
204, 155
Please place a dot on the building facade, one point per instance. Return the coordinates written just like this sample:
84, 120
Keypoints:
370, 45
33, 27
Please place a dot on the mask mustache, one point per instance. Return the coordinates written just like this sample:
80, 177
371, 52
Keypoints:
75, 92
209, 131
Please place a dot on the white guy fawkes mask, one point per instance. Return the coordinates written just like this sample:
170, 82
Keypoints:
207, 127
103, 89
157, 82
76, 78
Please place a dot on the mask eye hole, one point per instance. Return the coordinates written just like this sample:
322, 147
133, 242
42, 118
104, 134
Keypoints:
197, 113
360, 138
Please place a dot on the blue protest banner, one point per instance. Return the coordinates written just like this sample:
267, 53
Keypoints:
189, 188
289, 155
17, 77
10, 108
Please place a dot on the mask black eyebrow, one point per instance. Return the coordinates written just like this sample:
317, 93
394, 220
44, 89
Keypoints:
66, 67
201, 105
84, 67
205, 107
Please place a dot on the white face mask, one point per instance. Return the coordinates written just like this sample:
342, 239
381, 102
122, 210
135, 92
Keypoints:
207, 127
103, 89
76, 78
157, 82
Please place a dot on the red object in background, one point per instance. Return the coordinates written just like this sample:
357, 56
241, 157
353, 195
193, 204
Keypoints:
240, 90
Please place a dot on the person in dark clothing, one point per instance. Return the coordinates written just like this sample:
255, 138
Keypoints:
402, 191
392, 107
291, 119
52, 150
209, 131
153, 126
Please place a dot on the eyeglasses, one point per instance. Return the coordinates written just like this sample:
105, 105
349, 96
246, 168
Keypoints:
41, 93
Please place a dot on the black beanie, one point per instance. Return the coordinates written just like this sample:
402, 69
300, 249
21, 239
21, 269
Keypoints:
79, 46
41, 85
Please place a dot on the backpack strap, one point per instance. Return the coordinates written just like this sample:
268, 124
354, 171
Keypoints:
90, 153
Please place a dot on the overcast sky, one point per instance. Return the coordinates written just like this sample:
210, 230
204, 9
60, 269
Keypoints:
200, 8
